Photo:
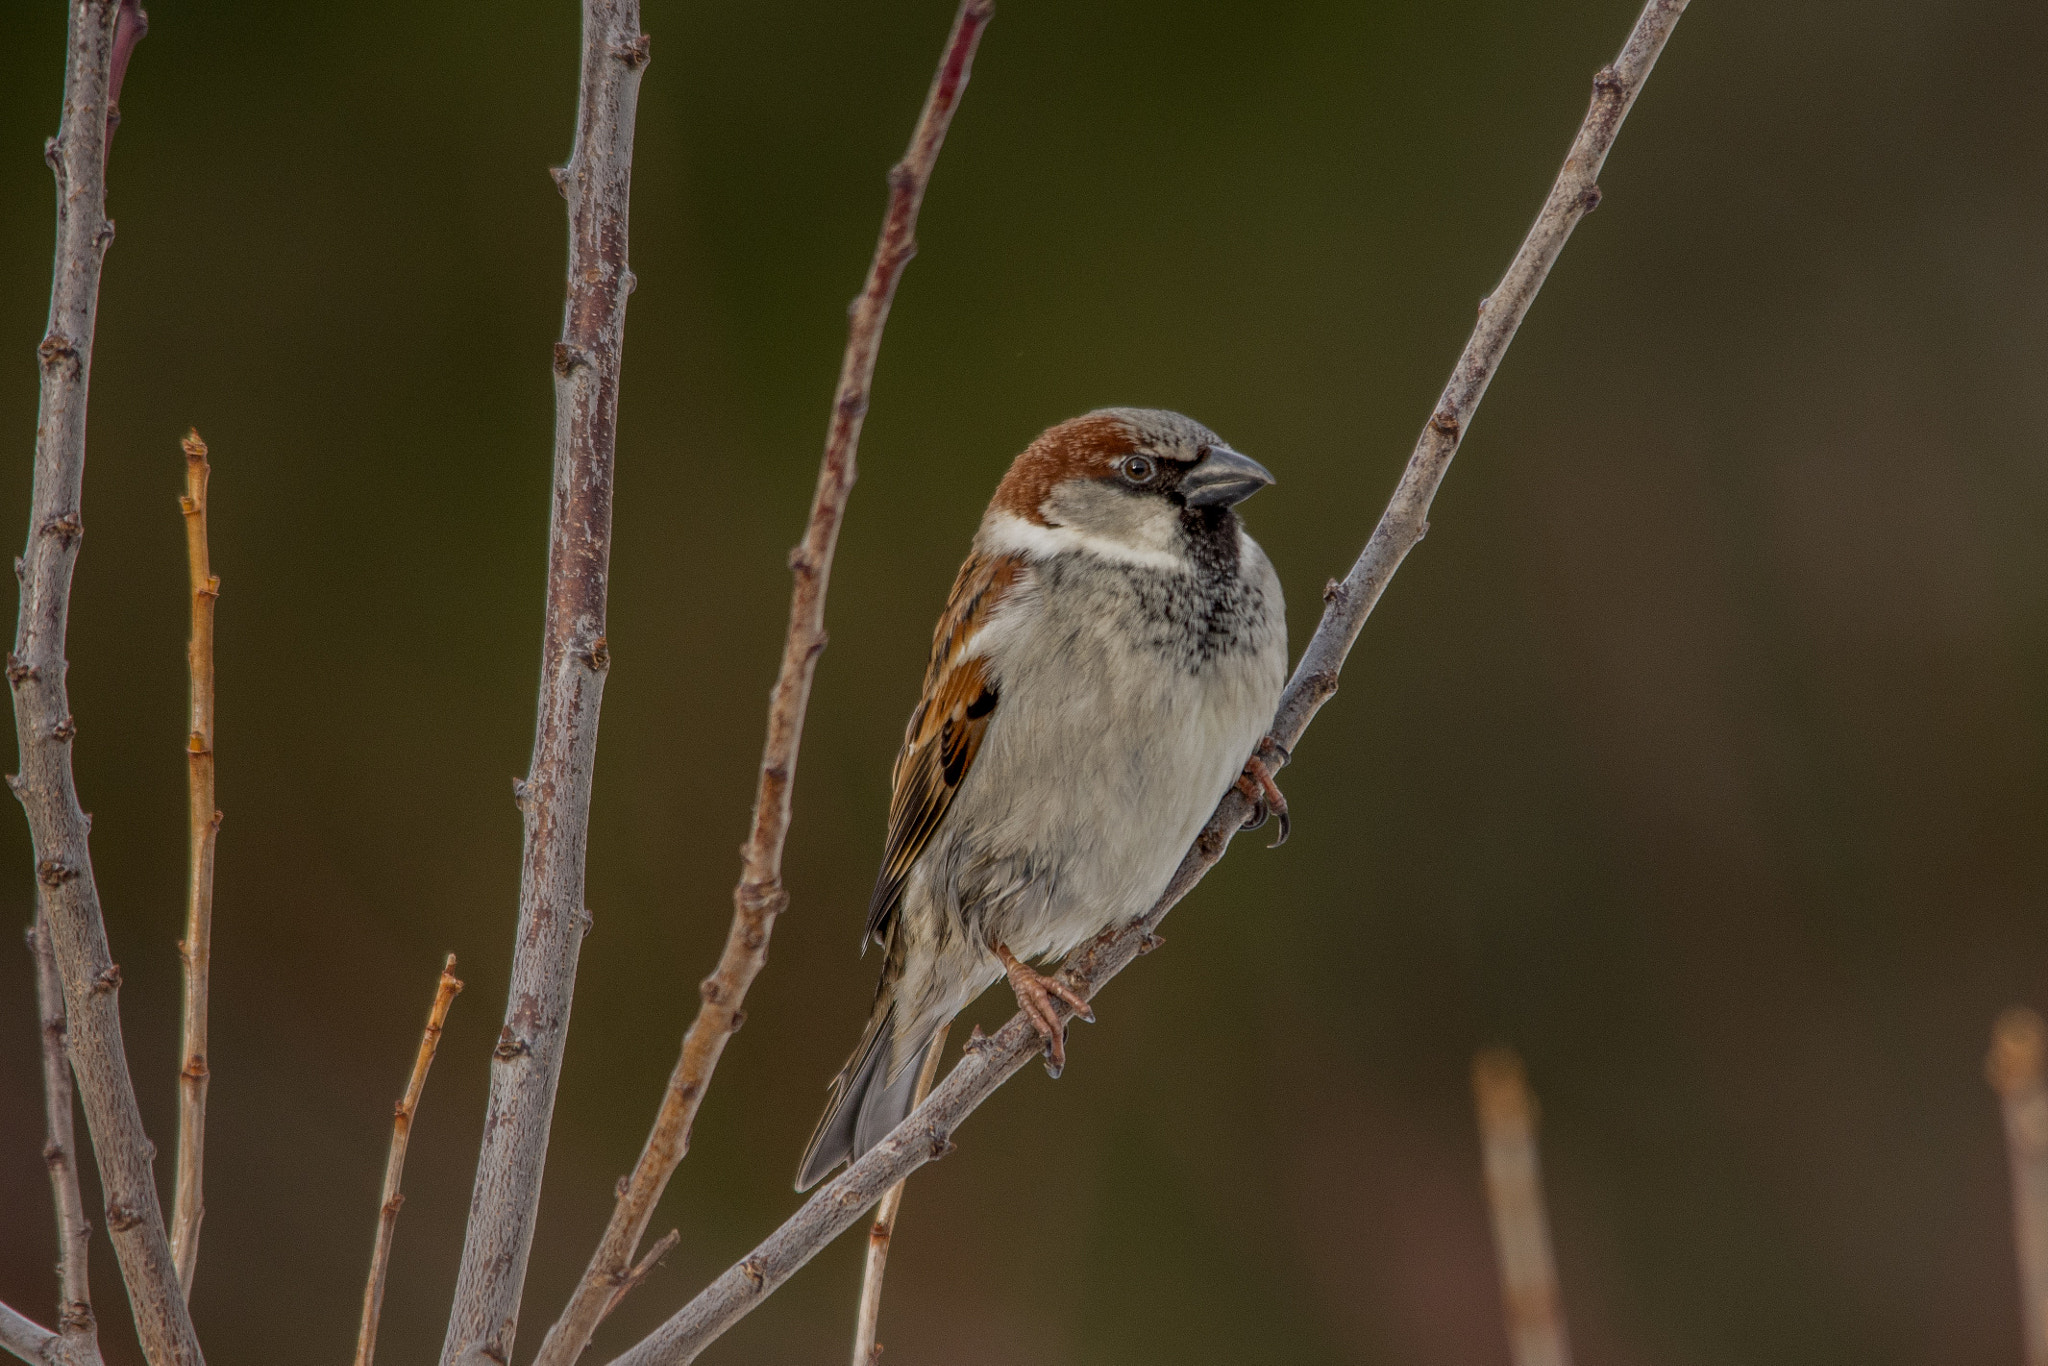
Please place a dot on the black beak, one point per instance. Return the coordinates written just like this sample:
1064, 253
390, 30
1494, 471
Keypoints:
1222, 478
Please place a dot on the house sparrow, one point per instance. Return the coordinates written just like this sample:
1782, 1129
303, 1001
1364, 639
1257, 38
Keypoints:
1112, 650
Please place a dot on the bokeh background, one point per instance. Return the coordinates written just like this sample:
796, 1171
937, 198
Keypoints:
1698, 753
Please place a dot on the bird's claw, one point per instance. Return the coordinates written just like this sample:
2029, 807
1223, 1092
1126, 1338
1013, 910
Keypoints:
1256, 782
1036, 993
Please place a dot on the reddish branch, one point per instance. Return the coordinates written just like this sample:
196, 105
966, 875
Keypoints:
77, 1333
555, 795
196, 948
760, 897
445, 993
1514, 1194
989, 1062
44, 727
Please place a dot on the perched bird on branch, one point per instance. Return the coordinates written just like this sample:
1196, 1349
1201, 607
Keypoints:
1112, 652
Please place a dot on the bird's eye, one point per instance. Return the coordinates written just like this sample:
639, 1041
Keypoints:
1137, 469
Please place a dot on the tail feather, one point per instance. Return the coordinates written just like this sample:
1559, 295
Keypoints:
869, 1098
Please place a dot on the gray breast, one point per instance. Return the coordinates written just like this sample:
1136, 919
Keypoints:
1131, 697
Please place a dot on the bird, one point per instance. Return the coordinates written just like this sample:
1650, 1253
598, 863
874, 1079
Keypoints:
1111, 653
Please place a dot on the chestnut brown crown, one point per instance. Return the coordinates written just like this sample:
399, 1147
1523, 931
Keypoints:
1142, 450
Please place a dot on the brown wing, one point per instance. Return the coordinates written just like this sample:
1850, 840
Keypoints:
945, 731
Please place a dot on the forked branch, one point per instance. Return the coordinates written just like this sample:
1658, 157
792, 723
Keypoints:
927, 1134
1514, 1194
555, 795
44, 728
760, 897
445, 993
196, 948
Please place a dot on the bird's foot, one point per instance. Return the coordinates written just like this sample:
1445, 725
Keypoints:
1256, 782
1035, 995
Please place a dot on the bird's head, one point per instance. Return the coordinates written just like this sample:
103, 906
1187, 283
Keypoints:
1131, 482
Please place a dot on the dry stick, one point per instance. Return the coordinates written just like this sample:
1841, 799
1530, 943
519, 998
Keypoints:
1521, 1229
78, 1334
196, 948
42, 711
760, 896
394, 1163
2015, 1067
866, 1351
555, 795
989, 1062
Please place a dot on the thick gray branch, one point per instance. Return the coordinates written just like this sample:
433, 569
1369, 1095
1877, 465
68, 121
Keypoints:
42, 709
555, 795
27, 1339
927, 1134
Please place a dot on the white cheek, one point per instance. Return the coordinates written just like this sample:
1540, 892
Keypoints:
1145, 541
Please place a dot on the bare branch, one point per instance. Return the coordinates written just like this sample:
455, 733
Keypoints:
394, 1164
2019, 1045
760, 897
989, 1062
26, 1338
1521, 1229
867, 1351
79, 1333
42, 712
196, 948
555, 795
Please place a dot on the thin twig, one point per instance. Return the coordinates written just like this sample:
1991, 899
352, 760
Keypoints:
42, 710
760, 896
1521, 1229
927, 1134
662, 1247
882, 1232
394, 1163
196, 948
77, 1331
555, 795
2019, 1045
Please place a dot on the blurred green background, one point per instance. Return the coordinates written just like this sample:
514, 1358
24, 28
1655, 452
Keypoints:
1699, 752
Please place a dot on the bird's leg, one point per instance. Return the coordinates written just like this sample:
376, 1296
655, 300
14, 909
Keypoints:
1256, 782
1035, 993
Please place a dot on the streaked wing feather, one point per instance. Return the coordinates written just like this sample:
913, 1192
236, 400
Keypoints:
945, 732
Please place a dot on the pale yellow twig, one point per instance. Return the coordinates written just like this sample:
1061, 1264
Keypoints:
394, 1164
1521, 1229
196, 948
